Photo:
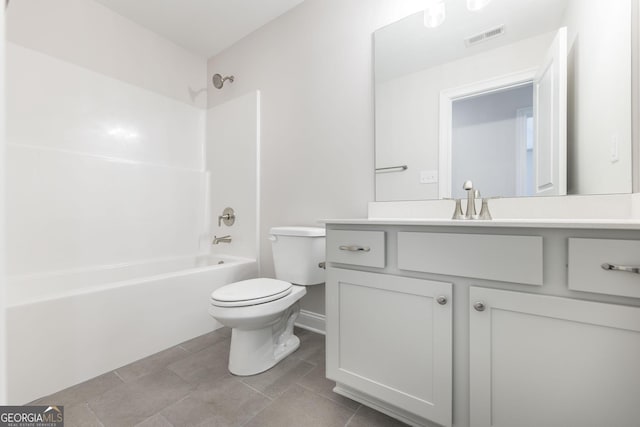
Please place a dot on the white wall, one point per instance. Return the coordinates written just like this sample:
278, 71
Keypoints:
3, 342
92, 36
105, 140
233, 147
313, 67
409, 108
599, 96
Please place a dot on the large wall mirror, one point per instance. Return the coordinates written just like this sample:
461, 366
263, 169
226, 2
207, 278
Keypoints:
524, 98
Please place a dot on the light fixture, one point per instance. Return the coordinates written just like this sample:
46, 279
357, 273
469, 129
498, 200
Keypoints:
434, 14
475, 5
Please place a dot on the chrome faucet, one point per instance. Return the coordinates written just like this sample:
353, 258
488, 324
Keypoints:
222, 239
472, 193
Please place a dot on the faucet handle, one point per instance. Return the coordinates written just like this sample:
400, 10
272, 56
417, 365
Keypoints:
228, 216
484, 211
457, 213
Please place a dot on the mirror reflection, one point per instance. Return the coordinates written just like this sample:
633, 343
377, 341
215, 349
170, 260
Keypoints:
524, 98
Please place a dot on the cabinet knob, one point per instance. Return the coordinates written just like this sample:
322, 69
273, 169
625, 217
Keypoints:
442, 300
479, 306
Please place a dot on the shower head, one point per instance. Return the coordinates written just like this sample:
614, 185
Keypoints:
218, 80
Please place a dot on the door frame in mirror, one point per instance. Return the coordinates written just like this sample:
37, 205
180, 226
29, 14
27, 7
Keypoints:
447, 97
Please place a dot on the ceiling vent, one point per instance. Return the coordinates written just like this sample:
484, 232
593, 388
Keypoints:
484, 36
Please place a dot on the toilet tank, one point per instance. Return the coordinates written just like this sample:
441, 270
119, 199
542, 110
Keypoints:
297, 251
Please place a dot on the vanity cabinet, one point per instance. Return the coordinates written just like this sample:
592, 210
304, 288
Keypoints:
538, 360
389, 342
521, 337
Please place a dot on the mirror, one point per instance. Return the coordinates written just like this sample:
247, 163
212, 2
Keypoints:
524, 98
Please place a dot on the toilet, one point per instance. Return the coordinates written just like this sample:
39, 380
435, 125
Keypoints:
261, 312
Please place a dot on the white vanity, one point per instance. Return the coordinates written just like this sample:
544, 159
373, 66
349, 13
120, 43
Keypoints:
525, 322
499, 323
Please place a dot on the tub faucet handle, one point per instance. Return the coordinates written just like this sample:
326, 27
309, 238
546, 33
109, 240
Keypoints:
228, 216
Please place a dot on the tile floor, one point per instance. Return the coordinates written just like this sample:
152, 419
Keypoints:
189, 385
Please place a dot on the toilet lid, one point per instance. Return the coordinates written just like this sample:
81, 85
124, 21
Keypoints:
250, 292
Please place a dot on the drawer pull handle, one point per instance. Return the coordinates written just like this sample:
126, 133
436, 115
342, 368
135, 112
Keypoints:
354, 248
607, 266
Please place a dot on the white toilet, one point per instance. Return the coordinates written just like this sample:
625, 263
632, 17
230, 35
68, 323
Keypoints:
261, 312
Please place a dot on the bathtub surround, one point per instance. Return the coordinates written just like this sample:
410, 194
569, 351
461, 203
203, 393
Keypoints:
317, 123
96, 162
232, 158
105, 140
105, 168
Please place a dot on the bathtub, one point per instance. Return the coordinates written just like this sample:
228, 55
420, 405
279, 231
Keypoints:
67, 327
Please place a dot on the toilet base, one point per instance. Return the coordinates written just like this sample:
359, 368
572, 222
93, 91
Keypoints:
257, 350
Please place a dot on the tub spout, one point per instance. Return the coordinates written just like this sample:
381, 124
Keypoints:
221, 239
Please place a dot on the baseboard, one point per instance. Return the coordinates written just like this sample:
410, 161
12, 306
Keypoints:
311, 321
383, 407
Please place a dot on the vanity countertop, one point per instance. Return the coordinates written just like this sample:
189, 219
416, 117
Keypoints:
602, 224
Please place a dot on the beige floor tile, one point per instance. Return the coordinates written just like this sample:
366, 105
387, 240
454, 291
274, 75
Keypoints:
300, 407
208, 364
277, 380
132, 403
317, 382
82, 392
206, 340
151, 364
80, 415
155, 421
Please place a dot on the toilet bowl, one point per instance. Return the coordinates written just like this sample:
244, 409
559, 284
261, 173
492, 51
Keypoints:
262, 331
262, 312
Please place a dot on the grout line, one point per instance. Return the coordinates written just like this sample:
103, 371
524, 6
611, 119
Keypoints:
352, 415
178, 401
94, 414
329, 398
180, 346
148, 418
118, 375
256, 390
257, 413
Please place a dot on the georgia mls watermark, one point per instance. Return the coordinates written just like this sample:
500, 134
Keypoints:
32, 416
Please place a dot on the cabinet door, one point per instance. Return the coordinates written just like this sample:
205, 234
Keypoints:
390, 338
546, 361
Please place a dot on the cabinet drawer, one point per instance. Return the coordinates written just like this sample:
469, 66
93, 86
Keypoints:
586, 257
365, 248
504, 258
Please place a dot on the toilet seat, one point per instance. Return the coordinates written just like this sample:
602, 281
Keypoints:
250, 292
